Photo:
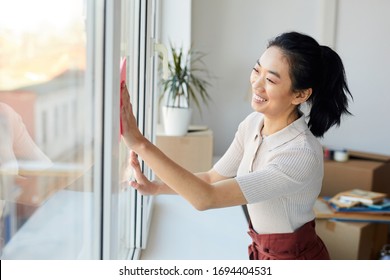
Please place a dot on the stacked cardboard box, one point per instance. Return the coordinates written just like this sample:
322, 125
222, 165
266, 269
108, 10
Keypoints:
351, 240
193, 151
362, 171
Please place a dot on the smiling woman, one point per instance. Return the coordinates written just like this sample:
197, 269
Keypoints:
278, 177
272, 92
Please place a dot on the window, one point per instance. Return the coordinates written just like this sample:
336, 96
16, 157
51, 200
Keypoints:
63, 167
49, 194
137, 39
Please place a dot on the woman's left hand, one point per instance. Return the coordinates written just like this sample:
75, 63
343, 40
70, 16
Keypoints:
130, 132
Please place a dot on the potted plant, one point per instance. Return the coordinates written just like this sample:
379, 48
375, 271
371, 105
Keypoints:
183, 86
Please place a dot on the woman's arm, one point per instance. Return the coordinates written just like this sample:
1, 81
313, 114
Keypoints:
156, 187
200, 193
203, 191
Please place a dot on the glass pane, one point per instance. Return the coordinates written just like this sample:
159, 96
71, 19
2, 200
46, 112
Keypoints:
47, 185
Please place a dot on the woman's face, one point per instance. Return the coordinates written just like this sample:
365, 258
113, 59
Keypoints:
271, 85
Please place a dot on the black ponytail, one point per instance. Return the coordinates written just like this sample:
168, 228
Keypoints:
320, 68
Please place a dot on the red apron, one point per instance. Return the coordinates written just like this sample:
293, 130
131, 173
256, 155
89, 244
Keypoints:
303, 244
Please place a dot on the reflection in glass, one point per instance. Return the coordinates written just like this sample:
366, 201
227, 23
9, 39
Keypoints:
46, 182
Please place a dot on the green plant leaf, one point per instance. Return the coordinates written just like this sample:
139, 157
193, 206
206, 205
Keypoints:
185, 79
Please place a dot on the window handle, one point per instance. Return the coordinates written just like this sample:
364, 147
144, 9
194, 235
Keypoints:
162, 49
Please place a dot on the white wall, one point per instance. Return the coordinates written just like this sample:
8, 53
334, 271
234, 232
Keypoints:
176, 22
174, 28
363, 41
234, 33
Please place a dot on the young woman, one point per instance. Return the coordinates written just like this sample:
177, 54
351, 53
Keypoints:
275, 162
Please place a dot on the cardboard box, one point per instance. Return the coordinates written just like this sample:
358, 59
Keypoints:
352, 241
193, 151
362, 171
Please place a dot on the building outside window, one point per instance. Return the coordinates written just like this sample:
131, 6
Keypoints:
63, 166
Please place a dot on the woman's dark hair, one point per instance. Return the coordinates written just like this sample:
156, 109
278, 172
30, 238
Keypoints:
320, 68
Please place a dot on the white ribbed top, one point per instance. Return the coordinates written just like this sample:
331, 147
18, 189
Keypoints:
280, 175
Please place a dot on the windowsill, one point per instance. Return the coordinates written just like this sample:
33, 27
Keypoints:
55, 230
179, 232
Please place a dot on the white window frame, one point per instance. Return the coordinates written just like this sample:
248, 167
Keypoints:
143, 99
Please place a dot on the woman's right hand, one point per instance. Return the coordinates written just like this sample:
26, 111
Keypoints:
140, 182
132, 137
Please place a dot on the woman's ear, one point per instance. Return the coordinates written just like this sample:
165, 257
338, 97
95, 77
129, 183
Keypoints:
302, 96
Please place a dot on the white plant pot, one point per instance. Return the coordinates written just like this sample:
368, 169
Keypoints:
176, 120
